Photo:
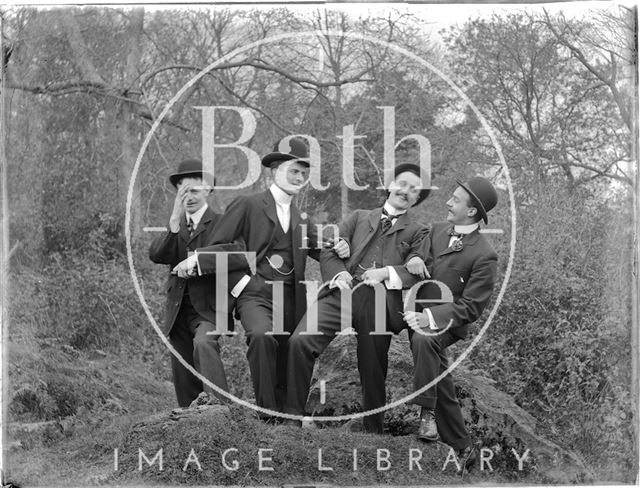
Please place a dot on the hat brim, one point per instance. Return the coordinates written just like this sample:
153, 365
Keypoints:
176, 177
271, 158
476, 200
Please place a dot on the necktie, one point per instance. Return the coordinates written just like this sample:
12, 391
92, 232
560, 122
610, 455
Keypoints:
453, 233
386, 221
190, 227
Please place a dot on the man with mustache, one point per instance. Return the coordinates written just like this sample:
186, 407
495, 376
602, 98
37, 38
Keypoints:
380, 242
462, 259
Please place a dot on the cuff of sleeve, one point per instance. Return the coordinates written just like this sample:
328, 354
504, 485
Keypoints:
432, 322
197, 262
240, 285
346, 242
393, 282
177, 228
192, 261
332, 283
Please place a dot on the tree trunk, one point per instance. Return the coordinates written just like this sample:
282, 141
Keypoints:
126, 128
635, 354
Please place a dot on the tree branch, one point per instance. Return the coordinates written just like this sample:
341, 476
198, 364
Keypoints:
80, 51
609, 81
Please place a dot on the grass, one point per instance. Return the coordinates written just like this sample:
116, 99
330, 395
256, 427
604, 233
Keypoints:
87, 458
100, 404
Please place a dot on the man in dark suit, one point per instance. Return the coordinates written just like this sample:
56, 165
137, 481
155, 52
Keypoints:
190, 313
271, 302
380, 241
462, 259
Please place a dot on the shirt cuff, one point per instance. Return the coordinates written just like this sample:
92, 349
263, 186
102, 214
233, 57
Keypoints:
332, 283
171, 229
235, 292
192, 262
432, 323
394, 282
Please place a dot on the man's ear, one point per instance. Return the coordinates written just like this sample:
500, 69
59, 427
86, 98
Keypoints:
472, 211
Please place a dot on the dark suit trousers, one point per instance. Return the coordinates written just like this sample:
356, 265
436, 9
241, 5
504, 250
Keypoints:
372, 353
266, 352
201, 350
430, 360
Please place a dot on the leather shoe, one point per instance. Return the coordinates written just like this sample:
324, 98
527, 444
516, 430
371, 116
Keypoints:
205, 398
467, 457
354, 425
428, 430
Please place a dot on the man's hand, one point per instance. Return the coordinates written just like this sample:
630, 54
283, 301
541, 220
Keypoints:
416, 320
342, 281
372, 276
342, 249
178, 208
416, 267
184, 270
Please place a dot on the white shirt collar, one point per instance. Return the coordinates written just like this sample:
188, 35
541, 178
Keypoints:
196, 216
466, 229
393, 212
280, 196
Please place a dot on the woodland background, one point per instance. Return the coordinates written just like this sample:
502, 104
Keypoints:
83, 86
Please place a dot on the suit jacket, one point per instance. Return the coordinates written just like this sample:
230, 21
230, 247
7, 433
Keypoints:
171, 249
404, 240
469, 273
253, 219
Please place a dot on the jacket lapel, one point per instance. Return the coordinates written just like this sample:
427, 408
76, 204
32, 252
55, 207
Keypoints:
295, 215
296, 236
442, 241
270, 207
372, 225
467, 240
202, 225
269, 230
402, 222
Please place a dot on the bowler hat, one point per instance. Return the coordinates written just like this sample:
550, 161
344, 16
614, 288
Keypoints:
191, 168
483, 195
297, 150
415, 169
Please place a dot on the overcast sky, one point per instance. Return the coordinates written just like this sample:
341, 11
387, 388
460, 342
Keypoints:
440, 13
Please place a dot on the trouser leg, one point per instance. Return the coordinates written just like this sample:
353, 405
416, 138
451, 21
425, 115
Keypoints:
268, 372
206, 357
255, 316
287, 307
428, 355
373, 352
430, 361
305, 348
187, 385
449, 417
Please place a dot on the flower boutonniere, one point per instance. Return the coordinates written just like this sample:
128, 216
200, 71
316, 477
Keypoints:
457, 245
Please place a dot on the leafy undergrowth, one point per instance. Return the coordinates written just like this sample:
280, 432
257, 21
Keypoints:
69, 408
